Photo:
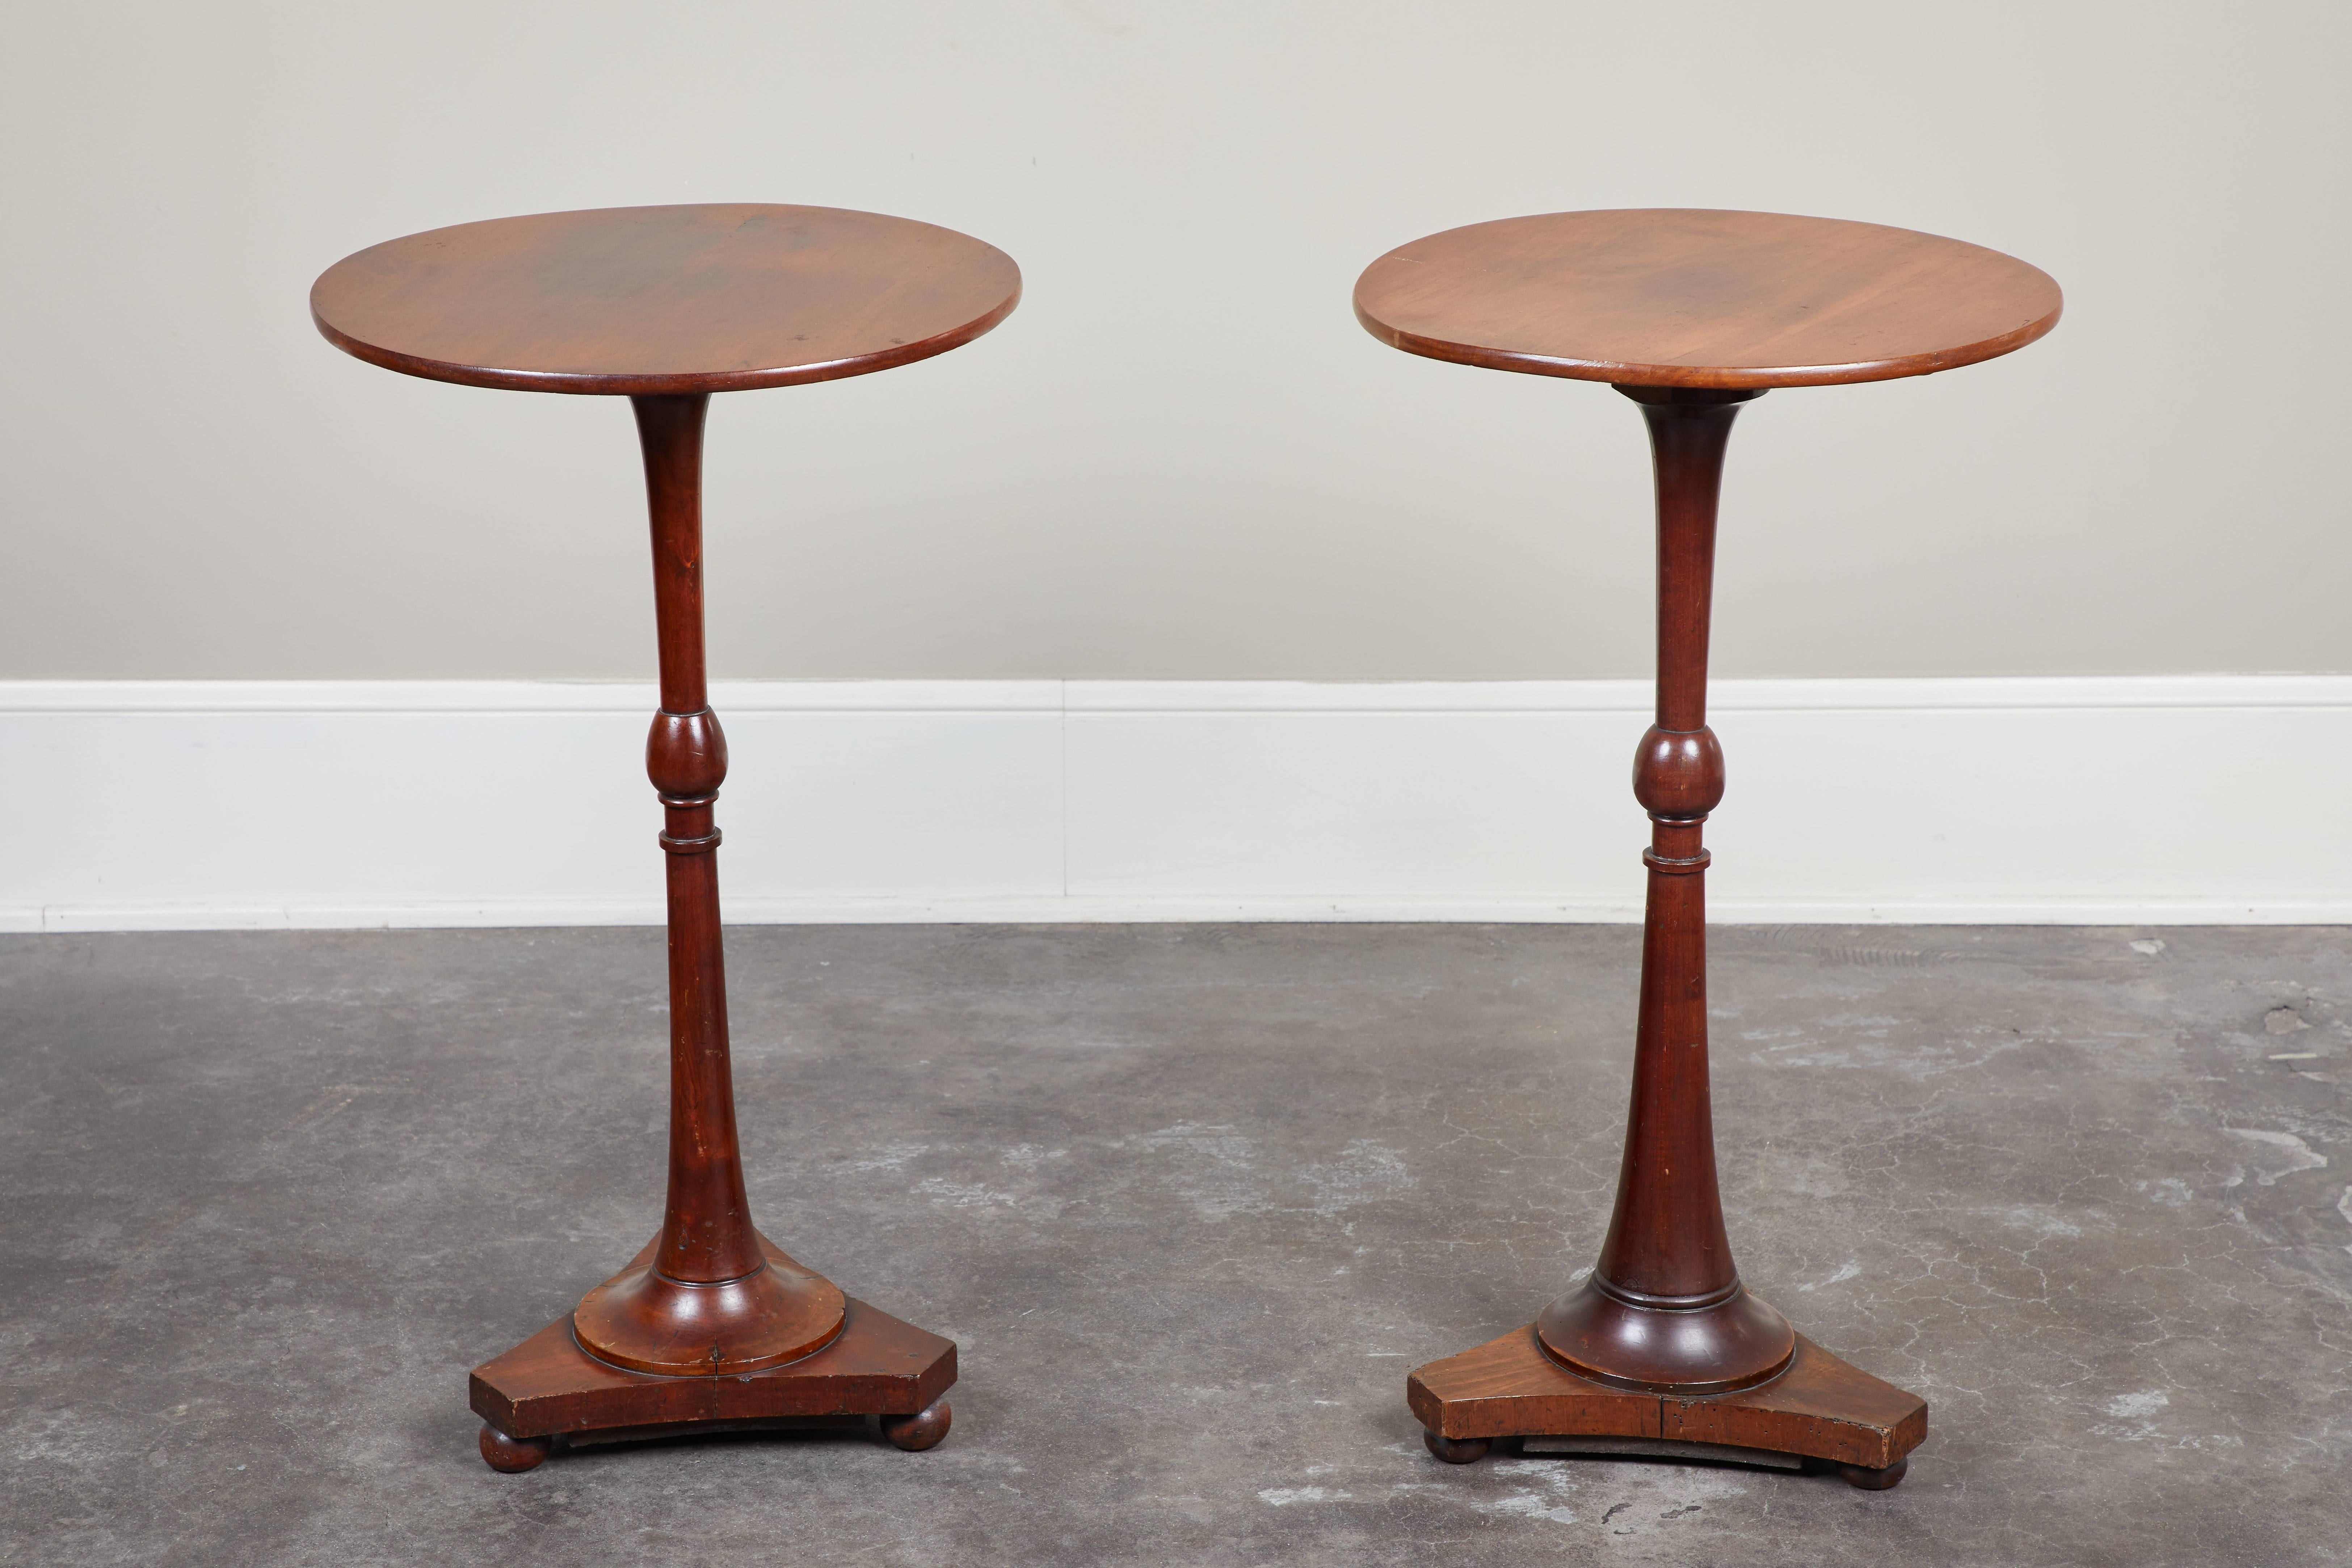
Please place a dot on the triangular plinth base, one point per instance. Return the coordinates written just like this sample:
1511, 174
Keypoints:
1819, 1408
548, 1391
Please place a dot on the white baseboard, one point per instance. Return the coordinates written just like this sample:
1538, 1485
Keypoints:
2139, 800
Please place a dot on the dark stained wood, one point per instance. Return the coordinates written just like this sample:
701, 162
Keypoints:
664, 299
1820, 1407
707, 1302
1693, 297
924, 1429
1874, 1481
1508, 1388
512, 1456
548, 1387
1666, 1252
1692, 314
711, 1323
1453, 1450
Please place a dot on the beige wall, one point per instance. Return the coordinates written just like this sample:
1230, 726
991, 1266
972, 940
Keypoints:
1180, 457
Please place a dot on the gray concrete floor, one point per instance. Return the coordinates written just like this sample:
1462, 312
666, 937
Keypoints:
1193, 1200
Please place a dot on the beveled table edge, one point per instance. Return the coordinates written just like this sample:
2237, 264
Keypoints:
603, 384
1720, 377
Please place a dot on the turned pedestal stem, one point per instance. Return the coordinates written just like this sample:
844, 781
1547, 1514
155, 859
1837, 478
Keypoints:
710, 1301
1664, 1308
666, 305
706, 1233
1690, 313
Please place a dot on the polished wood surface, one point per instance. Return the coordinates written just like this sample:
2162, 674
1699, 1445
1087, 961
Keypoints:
1818, 1408
711, 1324
1667, 1258
674, 300
710, 1303
1691, 315
547, 1391
1678, 297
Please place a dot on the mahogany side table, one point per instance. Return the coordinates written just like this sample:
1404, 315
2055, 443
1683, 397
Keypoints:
1661, 1349
711, 1325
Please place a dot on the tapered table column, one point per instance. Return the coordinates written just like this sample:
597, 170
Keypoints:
1662, 1349
709, 1300
711, 1325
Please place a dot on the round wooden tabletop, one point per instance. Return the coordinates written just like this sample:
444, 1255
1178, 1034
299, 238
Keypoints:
1672, 296
664, 299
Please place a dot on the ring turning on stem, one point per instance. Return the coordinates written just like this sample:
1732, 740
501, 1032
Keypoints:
1664, 1308
710, 1301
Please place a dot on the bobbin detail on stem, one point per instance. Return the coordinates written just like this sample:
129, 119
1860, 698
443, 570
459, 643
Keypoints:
1689, 313
710, 1303
666, 305
1664, 1308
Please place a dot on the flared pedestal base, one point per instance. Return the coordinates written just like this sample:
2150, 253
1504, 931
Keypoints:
643, 1321
1820, 1409
546, 1392
1711, 1347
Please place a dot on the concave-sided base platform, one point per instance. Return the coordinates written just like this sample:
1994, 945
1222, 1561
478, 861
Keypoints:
547, 1388
1819, 1408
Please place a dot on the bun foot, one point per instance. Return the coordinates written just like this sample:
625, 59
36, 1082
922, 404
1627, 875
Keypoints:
1457, 1450
925, 1428
511, 1455
1872, 1480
